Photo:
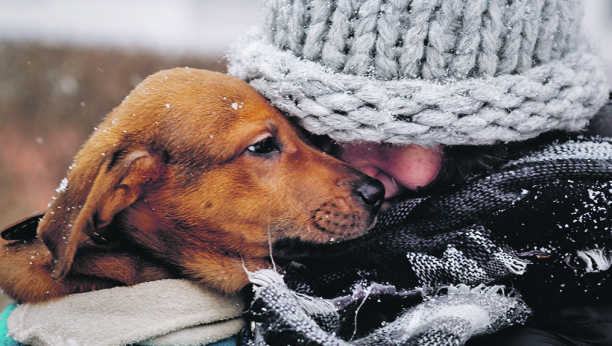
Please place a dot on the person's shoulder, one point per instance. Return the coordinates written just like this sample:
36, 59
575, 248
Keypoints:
233, 341
6, 340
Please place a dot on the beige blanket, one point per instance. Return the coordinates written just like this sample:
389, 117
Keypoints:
165, 312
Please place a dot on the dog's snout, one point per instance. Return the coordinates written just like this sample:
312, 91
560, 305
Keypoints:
372, 193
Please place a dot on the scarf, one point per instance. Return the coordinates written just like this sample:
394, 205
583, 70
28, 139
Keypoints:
441, 269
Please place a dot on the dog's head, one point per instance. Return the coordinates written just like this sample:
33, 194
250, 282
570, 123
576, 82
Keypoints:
197, 171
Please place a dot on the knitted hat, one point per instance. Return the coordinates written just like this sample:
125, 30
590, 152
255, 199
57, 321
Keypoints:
424, 71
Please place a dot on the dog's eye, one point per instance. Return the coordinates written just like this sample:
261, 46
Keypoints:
264, 146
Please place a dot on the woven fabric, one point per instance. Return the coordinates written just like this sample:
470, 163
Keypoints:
442, 319
156, 313
424, 72
541, 225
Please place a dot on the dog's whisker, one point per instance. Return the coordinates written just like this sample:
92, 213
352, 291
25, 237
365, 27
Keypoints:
270, 238
248, 272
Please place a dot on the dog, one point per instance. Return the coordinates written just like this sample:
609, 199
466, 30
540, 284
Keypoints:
194, 175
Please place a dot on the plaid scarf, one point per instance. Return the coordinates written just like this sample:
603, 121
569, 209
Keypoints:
437, 270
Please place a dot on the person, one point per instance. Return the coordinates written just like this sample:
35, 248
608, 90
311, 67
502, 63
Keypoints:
474, 114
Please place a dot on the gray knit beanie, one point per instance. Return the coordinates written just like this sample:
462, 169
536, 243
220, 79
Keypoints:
426, 72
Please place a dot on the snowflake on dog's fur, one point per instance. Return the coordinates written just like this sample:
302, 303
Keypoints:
63, 186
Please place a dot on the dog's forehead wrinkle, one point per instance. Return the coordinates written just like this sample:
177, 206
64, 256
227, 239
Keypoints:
272, 126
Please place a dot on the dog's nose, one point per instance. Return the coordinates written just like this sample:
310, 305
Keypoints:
372, 193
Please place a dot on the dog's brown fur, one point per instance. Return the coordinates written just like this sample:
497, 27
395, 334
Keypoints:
194, 175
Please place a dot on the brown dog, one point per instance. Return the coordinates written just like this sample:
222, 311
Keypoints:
194, 176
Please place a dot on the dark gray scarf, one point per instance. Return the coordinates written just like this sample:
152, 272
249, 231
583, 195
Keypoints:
441, 269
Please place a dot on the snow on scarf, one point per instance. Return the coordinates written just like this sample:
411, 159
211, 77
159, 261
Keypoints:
436, 270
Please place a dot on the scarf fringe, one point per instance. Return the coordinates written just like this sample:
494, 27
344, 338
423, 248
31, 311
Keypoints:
311, 305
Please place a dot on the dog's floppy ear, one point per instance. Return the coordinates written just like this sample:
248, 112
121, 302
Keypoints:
23, 229
91, 199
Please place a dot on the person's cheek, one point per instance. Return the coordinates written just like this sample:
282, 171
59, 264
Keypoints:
413, 166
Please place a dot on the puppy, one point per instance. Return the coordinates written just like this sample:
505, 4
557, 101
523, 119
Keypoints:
193, 176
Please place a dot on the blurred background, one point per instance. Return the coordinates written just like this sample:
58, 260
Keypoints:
64, 64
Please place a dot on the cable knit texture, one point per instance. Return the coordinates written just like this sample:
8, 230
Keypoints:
540, 224
425, 71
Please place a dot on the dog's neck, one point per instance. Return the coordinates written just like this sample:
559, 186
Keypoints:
217, 262
29, 278
28, 265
